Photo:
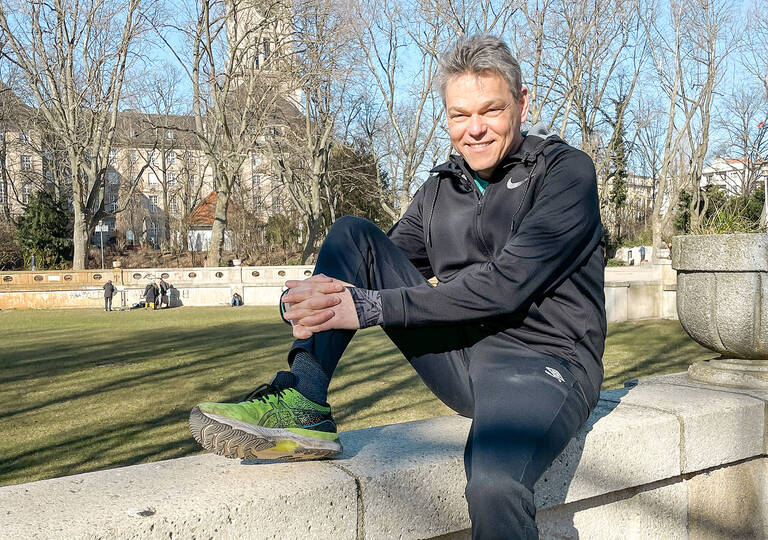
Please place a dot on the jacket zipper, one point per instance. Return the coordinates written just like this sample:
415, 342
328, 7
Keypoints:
478, 231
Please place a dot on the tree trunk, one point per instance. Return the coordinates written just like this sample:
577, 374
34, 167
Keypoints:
656, 227
218, 230
309, 245
81, 239
183, 238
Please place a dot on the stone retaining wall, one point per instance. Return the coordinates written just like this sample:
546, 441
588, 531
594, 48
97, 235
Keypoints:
663, 459
631, 293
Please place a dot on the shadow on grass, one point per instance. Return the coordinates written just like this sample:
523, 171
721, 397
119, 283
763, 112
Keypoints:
648, 348
77, 397
219, 343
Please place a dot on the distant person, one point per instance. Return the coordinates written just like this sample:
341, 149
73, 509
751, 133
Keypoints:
163, 292
109, 292
150, 295
237, 300
642, 253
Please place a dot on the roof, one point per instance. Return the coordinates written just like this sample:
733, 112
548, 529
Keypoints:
203, 214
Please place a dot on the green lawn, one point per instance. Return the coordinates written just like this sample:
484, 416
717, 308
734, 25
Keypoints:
82, 390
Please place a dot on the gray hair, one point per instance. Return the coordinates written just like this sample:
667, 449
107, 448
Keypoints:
480, 54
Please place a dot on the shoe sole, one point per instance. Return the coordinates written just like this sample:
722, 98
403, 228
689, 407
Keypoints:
237, 440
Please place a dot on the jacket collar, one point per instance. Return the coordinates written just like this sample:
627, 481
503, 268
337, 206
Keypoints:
457, 168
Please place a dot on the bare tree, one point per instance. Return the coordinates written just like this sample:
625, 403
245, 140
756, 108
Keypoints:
238, 49
161, 103
739, 133
323, 67
688, 43
401, 53
74, 56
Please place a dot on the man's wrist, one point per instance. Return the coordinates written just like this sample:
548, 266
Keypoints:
368, 306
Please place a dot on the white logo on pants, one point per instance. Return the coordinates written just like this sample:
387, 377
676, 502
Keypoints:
552, 372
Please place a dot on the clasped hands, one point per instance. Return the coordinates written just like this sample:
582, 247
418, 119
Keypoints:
319, 303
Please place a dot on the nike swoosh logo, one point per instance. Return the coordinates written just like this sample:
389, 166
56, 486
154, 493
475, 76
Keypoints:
513, 185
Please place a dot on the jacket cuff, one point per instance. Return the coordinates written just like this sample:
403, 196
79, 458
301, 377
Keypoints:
393, 307
367, 305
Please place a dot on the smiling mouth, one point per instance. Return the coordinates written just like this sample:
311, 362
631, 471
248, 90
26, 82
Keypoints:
479, 146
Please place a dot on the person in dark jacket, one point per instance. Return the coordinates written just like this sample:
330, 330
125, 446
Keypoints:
150, 295
511, 336
109, 292
163, 288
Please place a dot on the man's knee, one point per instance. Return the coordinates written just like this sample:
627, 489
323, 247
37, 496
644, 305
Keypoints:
351, 226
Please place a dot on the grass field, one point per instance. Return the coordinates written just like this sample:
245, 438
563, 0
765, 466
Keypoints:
82, 390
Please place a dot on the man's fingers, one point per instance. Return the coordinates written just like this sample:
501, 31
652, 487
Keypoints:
317, 318
317, 278
299, 294
322, 327
300, 332
308, 307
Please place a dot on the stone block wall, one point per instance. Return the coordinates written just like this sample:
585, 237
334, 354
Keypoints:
663, 458
631, 293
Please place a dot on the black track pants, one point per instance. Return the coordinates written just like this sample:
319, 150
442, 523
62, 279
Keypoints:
525, 406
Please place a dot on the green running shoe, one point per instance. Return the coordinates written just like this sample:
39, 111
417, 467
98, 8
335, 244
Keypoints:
274, 422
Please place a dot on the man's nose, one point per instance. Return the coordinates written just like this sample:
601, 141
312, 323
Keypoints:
476, 125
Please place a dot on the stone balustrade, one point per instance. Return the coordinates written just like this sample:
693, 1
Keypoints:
631, 293
666, 458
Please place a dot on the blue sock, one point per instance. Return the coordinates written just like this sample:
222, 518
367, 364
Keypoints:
311, 380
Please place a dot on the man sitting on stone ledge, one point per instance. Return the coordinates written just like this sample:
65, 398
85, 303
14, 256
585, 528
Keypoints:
513, 334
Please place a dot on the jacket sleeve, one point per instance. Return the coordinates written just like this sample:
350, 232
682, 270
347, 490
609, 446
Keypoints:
408, 234
554, 237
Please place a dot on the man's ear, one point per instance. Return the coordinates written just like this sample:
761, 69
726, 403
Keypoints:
524, 105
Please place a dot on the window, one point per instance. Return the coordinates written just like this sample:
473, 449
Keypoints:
153, 203
169, 135
112, 155
26, 191
23, 138
172, 178
112, 177
133, 157
258, 203
276, 206
174, 205
257, 181
152, 179
153, 230
26, 163
255, 160
170, 158
153, 157
266, 50
236, 181
111, 202
2, 192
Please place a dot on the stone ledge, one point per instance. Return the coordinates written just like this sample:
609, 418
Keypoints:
642, 443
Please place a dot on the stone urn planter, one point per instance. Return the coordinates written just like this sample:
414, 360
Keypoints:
722, 302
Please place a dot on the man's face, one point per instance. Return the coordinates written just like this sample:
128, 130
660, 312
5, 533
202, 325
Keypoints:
484, 119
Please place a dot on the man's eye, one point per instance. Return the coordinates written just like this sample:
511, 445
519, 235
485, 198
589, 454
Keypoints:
458, 117
493, 112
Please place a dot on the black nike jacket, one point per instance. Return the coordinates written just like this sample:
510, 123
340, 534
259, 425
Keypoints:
524, 258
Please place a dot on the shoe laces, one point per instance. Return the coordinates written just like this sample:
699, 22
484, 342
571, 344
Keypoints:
264, 392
